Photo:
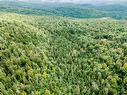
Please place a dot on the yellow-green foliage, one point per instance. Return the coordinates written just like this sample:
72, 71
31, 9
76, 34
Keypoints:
62, 56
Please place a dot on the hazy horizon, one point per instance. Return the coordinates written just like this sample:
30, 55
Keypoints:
74, 1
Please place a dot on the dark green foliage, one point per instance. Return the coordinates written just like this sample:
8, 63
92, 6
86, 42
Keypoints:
68, 10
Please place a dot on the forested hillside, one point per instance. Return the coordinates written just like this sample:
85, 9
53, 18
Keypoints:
50, 55
116, 11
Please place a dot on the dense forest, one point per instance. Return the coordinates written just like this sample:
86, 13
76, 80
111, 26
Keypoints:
53, 50
47, 55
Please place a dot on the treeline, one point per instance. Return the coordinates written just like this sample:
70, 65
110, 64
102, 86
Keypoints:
67, 10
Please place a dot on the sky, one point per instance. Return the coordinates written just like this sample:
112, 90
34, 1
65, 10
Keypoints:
79, 1
76, 1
